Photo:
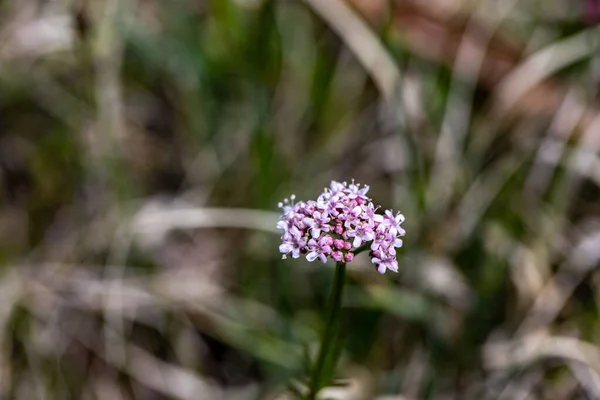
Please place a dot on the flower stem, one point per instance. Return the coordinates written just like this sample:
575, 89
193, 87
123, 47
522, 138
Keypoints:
327, 353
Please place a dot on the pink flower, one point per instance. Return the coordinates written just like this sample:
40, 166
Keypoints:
318, 223
348, 218
318, 249
387, 263
293, 242
368, 213
356, 192
393, 222
362, 233
351, 215
293, 248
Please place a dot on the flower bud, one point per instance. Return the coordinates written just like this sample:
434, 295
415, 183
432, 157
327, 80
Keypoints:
338, 243
337, 256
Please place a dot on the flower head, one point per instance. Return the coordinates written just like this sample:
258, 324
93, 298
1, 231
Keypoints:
341, 220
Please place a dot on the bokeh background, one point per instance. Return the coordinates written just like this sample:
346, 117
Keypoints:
144, 146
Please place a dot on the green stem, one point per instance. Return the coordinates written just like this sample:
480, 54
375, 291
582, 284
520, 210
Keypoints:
330, 333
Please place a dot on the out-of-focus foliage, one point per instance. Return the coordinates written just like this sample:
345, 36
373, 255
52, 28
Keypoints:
144, 146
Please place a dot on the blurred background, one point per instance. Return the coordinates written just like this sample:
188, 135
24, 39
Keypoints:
144, 146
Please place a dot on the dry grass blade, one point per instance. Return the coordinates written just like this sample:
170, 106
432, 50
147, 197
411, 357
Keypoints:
543, 64
557, 290
194, 218
362, 41
422, 26
534, 348
470, 57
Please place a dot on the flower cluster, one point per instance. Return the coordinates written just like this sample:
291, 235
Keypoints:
341, 221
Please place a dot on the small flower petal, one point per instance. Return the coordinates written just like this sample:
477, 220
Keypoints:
286, 248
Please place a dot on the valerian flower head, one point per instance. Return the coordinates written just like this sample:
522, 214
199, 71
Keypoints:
341, 220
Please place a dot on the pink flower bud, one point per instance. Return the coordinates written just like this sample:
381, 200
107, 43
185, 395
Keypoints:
337, 256
349, 257
347, 245
338, 243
